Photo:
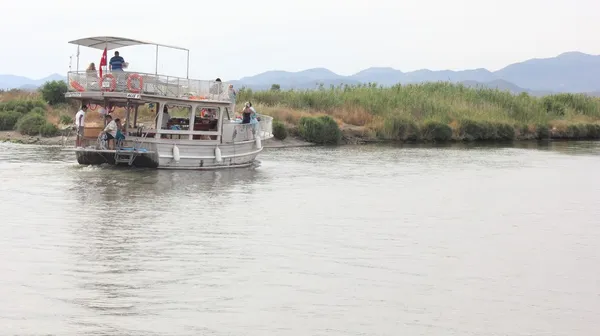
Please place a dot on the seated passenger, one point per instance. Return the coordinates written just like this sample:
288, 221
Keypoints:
120, 131
110, 131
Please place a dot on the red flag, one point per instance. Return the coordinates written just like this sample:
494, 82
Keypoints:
102, 61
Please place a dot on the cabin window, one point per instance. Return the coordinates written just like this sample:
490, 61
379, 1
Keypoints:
206, 119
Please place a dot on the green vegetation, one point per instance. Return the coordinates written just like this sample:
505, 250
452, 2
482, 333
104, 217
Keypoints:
320, 130
53, 92
434, 112
31, 123
279, 130
26, 113
8, 120
66, 120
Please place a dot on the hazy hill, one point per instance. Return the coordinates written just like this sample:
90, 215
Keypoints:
570, 72
567, 72
19, 82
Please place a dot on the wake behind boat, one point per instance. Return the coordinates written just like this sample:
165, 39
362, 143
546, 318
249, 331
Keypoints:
208, 136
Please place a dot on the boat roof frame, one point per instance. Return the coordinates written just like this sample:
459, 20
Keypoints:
100, 42
113, 42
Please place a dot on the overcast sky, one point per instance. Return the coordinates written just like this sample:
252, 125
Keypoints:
232, 38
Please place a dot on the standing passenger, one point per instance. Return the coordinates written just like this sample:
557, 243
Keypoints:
116, 62
80, 123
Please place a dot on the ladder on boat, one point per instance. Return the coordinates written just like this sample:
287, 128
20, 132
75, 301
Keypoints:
128, 156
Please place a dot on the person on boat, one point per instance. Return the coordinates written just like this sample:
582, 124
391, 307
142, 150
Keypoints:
232, 95
79, 123
91, 70
247, 113
116, 62
165, 118
217, 88
110, 131
92, 76
120, 136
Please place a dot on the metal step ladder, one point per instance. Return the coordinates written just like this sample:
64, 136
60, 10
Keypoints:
124, 157
129, 156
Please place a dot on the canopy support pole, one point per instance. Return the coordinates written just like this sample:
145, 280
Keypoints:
78, 58
187, 75
156, 65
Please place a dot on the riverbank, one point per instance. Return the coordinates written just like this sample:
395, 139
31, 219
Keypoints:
69, 141
414, 113
431, 112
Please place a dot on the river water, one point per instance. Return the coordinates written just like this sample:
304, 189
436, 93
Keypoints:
371, 240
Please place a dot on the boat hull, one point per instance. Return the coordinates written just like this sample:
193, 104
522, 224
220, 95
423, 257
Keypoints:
187, 156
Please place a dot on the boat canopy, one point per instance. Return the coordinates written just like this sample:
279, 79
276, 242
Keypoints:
112, 42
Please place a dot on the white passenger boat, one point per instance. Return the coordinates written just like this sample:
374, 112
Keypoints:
207, 136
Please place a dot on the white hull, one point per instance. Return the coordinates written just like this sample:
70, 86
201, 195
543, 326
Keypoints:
194, 156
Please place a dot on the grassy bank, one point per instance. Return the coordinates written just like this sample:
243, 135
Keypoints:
434, 112
421, 112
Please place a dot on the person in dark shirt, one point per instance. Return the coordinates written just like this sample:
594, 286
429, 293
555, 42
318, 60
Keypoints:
116, 62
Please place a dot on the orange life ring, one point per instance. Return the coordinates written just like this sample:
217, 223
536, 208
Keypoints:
77, 86
140, 80
197, 97
113, 82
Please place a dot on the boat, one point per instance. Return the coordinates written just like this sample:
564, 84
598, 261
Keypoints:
205, 134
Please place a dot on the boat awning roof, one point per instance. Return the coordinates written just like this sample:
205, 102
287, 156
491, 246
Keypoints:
112, 42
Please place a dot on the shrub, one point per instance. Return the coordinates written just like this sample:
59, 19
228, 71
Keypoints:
331, 133
504, 131
436, 131
54, 92
593, 131
66, 120
279, 130
542, 131
577, 131
22, 105
48, 130
8, 120
38, 110
399, 128
31, 124
471, 130
320, 130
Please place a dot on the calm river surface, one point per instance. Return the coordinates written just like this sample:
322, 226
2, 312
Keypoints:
350, 241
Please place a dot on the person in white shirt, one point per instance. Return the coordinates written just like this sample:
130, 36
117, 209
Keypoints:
111, 131
80, 124
165, 118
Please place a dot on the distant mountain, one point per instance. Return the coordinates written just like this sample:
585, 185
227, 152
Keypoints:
19, 82
567, 72
495, 84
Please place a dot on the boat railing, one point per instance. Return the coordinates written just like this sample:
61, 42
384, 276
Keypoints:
266, 126
149, 84
246, 132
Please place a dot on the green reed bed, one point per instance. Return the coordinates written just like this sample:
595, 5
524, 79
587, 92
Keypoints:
437, 111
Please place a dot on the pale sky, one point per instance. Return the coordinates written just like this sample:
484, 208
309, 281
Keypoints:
236, 38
